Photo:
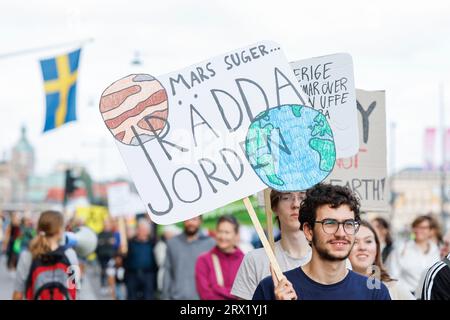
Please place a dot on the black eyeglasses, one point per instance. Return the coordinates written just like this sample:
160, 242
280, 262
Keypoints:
331, 226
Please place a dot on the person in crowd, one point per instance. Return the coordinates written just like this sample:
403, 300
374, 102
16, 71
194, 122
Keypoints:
181, 256
330, 219
12, 233
27, 232
216, 270
291, 251
436, 231
365, 258
48, 270
140, 264
408, 261
106, 248
383, 230
116, 277
435, 283
168, 233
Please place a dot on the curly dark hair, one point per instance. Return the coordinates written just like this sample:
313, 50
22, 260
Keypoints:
326, 194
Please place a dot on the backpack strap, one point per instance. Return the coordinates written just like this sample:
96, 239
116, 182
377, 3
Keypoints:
217, 269
51, 286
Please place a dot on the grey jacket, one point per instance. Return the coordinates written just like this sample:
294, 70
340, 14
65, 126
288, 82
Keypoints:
179, 266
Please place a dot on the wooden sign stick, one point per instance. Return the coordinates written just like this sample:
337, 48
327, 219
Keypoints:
263, 238
269, 217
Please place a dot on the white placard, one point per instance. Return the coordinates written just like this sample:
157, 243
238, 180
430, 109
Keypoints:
329, 83
197, 163
366, 172
122, 202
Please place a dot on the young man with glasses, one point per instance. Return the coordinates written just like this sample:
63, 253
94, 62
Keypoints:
330, 219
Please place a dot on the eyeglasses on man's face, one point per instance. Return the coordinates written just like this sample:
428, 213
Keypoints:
292, 196
331, 226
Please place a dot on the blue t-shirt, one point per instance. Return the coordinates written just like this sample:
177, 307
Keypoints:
353, 287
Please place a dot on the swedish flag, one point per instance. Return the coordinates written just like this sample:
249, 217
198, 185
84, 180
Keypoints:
60, 83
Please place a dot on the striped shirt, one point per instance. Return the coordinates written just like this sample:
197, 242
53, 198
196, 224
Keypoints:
436, 284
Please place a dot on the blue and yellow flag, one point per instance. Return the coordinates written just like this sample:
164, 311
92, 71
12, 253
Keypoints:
60, 84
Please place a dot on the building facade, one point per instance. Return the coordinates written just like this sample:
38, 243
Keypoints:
417, 191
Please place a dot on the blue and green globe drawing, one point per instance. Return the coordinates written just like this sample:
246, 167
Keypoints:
290, 147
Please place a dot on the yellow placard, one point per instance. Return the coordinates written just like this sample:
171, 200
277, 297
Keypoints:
94, 216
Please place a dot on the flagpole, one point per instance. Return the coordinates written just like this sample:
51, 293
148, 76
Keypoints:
38, 49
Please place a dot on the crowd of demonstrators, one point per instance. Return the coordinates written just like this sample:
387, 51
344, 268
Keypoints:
291, 251
330, 220
366, 259
181, 256
409, 260
324, 249
216, 269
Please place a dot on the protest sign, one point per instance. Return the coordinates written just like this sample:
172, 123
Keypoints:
93, 216
328, 82
122, 202
366, 172
182, 134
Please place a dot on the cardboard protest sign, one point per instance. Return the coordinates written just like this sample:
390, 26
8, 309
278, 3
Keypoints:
182, 134
328, 82
290, 147
93, 216
366, 172
122, 202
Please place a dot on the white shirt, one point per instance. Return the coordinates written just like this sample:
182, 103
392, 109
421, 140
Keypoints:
407, 262
398, 291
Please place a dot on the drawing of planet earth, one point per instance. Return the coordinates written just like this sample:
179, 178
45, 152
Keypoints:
291, 147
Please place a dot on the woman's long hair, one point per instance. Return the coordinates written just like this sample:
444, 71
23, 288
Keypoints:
49, 225
384, 275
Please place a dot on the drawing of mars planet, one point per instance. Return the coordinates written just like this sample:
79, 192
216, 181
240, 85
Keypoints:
139, 101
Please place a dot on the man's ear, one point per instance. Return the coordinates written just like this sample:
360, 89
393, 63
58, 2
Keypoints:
308, 232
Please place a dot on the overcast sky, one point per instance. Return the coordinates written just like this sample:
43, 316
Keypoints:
400, 47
